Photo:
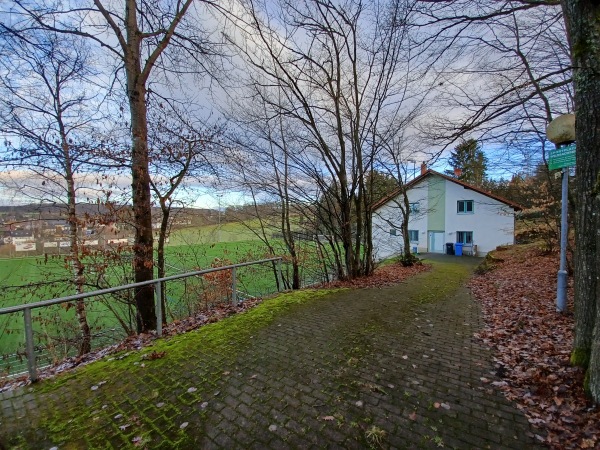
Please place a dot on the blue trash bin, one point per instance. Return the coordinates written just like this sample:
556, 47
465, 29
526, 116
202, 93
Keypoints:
458, 249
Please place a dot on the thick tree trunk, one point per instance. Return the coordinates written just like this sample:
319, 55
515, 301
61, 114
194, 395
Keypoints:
346, 226
583, 25
143, 265
290, 243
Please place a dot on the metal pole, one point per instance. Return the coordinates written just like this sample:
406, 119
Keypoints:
219, 225
29, 350
233, 287
561, 285
279, 276
159, 311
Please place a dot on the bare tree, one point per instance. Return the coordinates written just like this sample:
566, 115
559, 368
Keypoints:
180, 151
397, 151
146, 38
504, 73
332, 71
46, 118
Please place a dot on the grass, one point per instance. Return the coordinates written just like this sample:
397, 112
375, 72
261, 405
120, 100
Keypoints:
26, 280
33, 279
89, 407
210, 234
183, 297
375, 436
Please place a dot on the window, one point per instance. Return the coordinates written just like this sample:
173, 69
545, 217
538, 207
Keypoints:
464, 207
393, 232
414, 207
413, 235
464, 237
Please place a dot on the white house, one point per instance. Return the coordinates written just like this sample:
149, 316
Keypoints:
443, 210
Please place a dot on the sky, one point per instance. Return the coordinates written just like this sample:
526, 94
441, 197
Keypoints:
208, 99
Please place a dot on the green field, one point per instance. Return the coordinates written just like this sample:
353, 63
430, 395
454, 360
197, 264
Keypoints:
209, 234
32, 279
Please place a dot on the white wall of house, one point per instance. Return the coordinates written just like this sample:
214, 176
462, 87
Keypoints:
389, 217
490, 224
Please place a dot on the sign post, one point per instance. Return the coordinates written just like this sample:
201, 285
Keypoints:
561, 131
562, 157
561, 285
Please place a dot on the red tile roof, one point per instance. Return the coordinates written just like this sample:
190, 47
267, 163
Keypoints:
429, 172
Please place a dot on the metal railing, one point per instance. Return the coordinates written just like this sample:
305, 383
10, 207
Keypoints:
26, 308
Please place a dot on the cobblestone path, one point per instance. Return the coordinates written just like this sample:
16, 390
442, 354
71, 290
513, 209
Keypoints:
395, 367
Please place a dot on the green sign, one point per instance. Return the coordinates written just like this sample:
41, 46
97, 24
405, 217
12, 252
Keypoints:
561, 157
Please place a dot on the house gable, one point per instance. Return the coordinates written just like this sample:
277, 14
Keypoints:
448, 211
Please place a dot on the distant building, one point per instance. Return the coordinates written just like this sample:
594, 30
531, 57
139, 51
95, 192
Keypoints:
443, 210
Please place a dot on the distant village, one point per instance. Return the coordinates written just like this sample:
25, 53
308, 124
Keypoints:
29, 230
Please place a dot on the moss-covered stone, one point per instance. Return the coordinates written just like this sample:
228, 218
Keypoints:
489, 263
312, 368
580, 357
114, 377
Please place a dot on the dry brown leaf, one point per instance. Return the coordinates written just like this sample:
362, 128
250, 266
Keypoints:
531, 344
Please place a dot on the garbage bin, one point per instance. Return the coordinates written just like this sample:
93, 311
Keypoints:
449, 248
458, 247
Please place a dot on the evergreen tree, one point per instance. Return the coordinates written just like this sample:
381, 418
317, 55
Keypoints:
470, 161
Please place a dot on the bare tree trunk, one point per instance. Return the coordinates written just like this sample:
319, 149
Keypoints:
85, 345
288, 236
405, 232
142, 210
86, 340
160, 255
143, 258
286, 226
368, 241
584, 35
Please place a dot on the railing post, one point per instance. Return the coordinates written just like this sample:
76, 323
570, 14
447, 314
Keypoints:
159, 311
279, 276
29, 349
233, 286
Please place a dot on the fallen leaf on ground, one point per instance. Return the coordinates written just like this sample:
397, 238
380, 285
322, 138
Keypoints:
531, 345
156, 355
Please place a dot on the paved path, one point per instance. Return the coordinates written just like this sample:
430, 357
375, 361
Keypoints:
382, 368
